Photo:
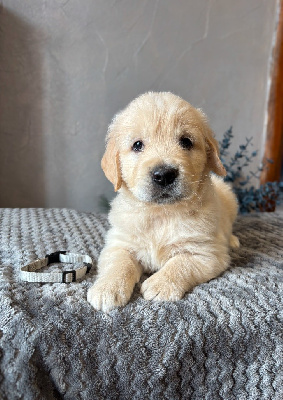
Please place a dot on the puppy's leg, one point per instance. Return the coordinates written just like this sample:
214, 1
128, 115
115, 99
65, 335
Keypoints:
117, 275
180, 274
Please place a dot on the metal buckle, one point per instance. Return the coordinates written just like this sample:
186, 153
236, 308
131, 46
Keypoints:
54, 257
74, 276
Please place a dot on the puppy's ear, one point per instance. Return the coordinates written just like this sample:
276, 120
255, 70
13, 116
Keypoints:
212, 148
213, 159
110, 164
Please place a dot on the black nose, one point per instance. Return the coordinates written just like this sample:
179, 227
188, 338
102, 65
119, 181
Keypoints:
164, 175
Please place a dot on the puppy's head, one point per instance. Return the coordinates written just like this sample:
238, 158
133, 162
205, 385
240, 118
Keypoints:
161, 149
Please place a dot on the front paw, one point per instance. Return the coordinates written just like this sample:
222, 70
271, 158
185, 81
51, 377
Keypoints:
160, 287
107, 294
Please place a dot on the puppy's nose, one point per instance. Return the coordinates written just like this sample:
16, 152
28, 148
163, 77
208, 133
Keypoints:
164, 175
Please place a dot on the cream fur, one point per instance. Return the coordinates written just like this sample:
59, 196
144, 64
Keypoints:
183, 241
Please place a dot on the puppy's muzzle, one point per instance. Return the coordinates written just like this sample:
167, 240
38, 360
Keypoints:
164, 175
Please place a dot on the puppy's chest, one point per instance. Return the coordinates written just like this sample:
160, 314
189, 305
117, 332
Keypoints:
157, 240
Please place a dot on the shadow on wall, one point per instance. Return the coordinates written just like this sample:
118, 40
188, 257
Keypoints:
21, 140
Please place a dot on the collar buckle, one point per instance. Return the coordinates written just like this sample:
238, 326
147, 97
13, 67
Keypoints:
54, 257
74, 276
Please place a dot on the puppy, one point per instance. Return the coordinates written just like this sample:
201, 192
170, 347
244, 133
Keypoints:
172, 217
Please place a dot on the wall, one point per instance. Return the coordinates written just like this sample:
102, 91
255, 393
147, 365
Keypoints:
67, 66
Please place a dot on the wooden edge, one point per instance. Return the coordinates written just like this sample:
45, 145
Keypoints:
274, 134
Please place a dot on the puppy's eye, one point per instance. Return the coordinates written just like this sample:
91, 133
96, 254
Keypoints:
138, 146
186, 143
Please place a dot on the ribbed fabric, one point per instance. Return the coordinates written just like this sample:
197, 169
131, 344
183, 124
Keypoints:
224, 340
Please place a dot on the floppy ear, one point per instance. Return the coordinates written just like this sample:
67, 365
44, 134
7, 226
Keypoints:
110, 164
212, 148
213, 159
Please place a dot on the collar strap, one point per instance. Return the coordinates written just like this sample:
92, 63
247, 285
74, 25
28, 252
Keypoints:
28, 273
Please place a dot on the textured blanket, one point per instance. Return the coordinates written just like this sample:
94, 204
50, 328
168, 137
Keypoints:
223, 340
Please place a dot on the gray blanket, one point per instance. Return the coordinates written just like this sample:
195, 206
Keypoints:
222, 341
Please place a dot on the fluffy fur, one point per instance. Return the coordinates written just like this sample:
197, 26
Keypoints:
180, 231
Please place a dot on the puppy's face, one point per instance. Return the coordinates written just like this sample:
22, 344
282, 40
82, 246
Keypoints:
161, 149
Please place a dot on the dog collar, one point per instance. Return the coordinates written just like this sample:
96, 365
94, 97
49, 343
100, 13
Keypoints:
28, 273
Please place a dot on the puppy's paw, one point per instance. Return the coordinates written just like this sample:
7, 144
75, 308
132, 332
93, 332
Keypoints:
234, 242
159, 288
107, 294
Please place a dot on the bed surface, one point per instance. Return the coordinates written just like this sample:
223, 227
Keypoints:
223, 340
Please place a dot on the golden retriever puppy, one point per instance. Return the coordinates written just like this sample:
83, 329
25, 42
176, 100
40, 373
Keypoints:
171, 217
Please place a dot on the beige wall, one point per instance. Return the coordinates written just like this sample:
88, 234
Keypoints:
67, 66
